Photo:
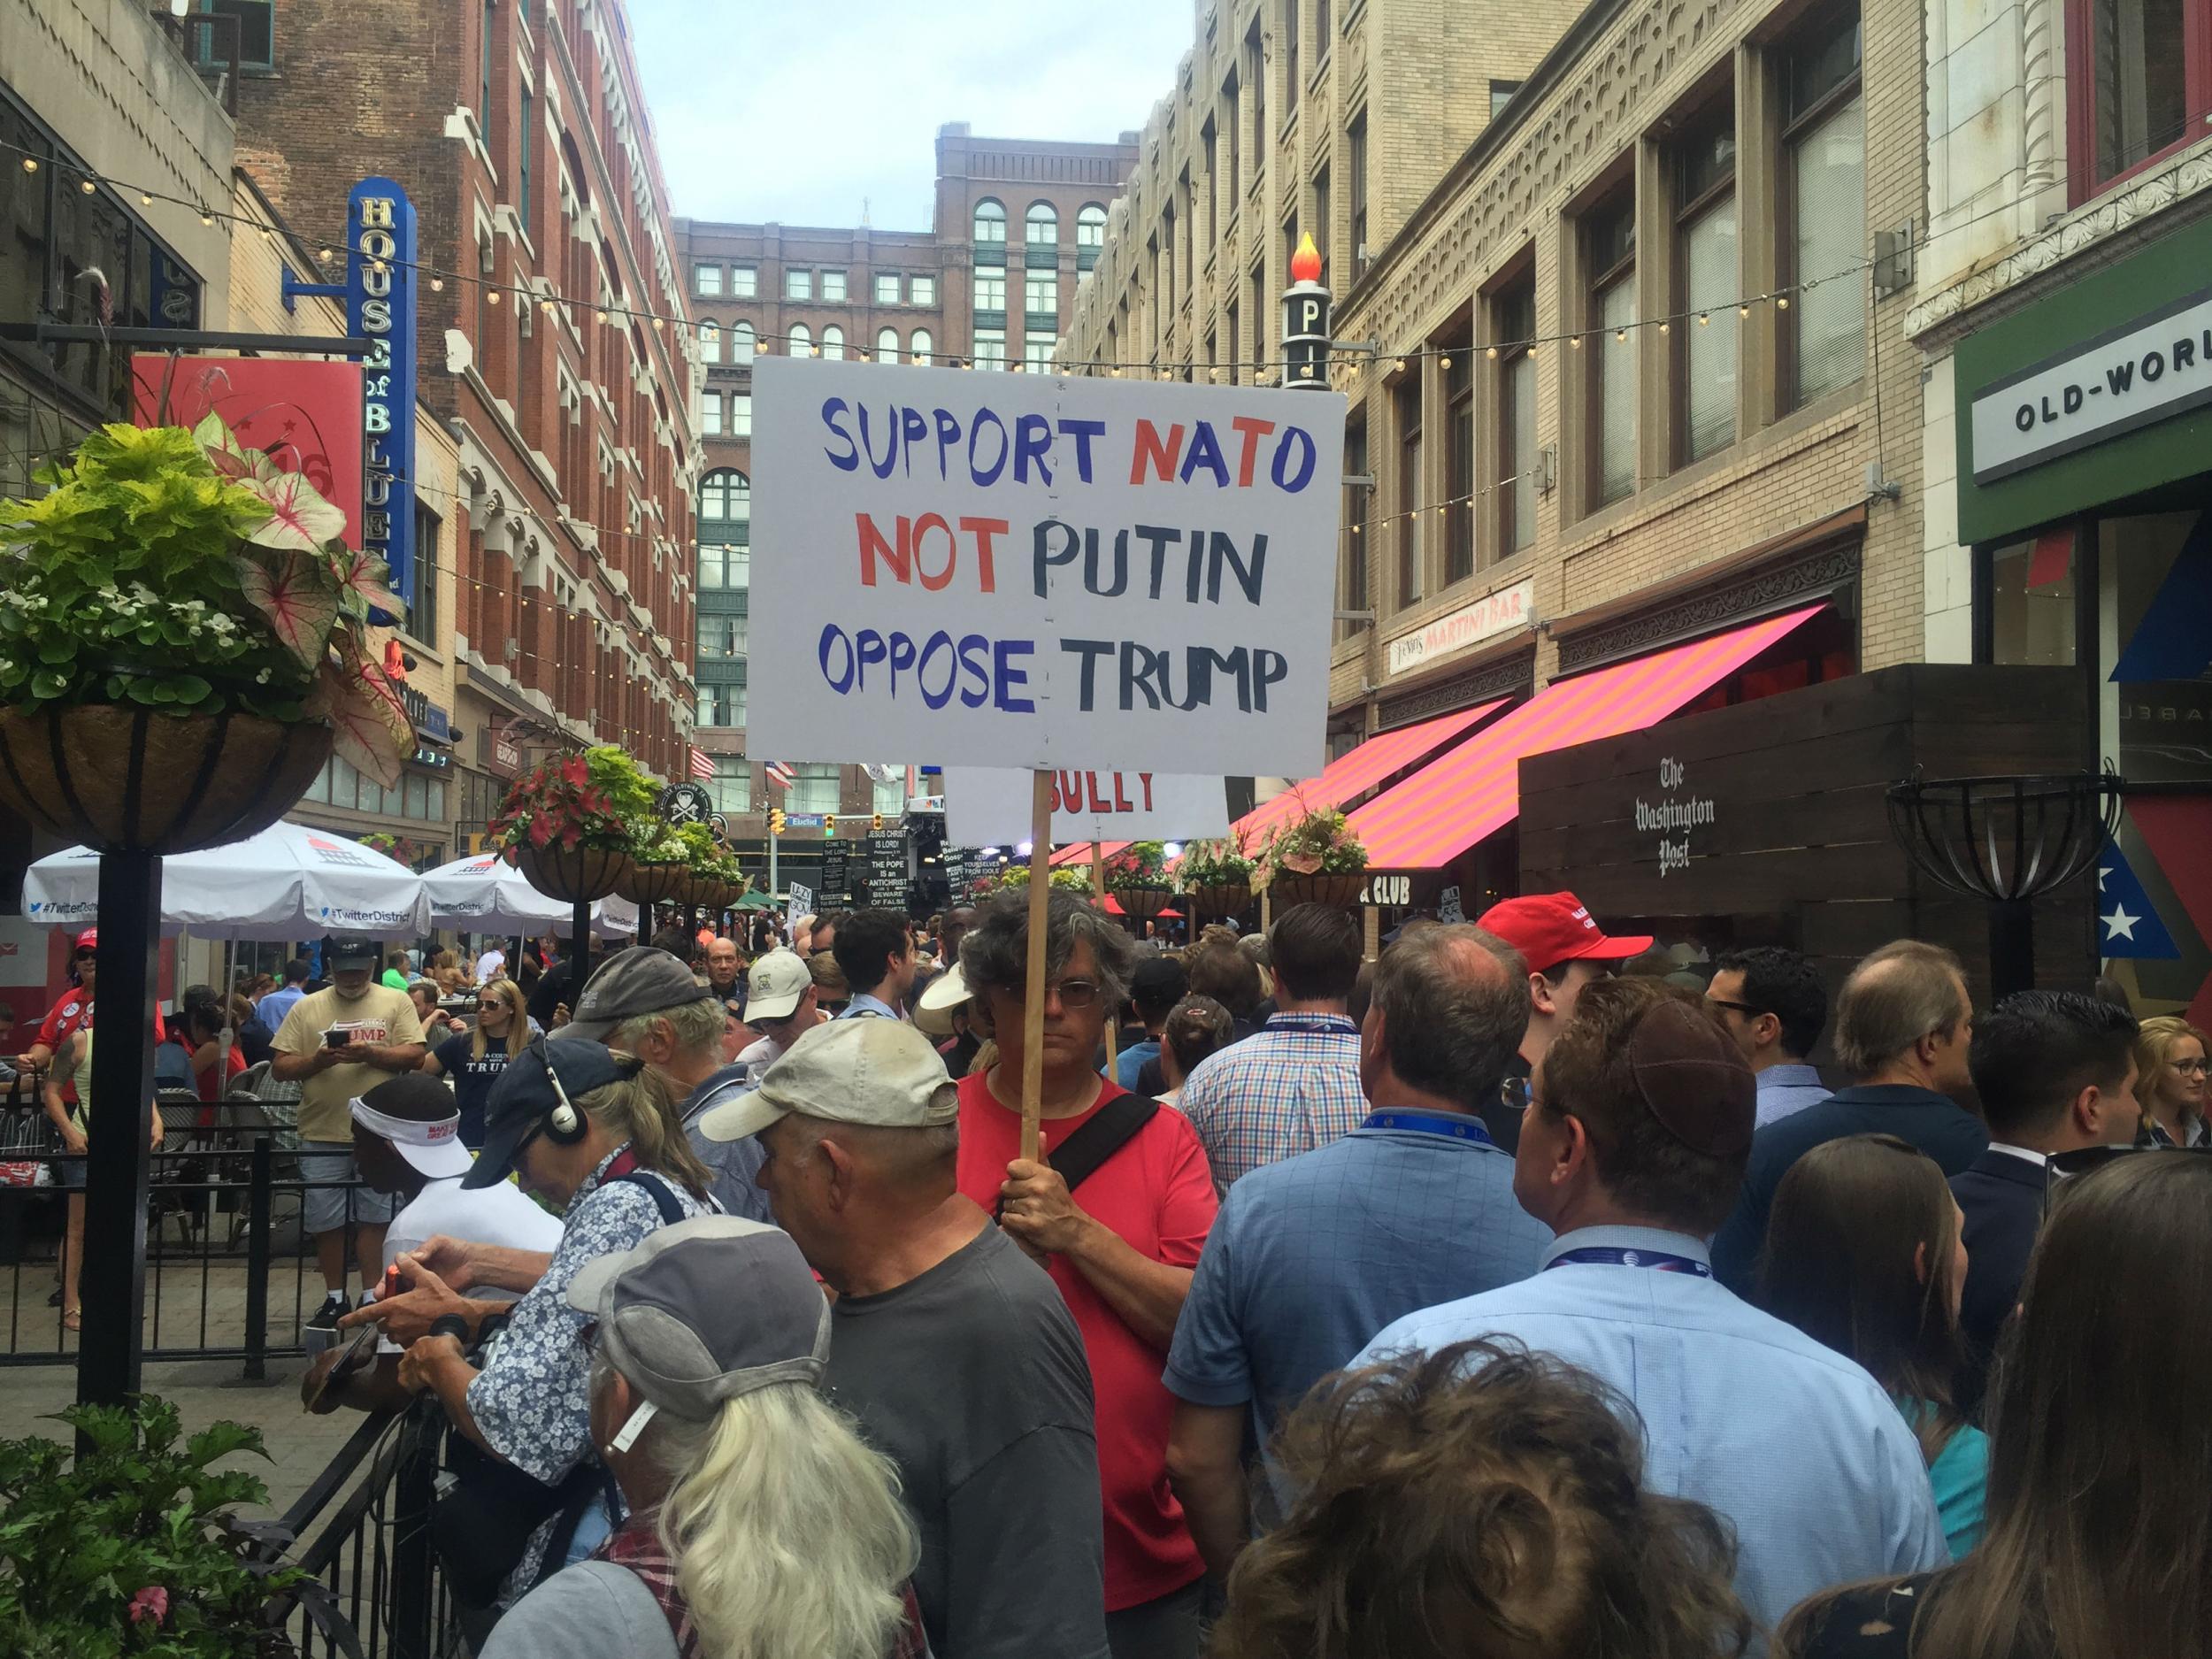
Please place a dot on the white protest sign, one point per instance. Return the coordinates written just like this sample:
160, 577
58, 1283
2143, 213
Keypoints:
985, 804
1028, 570
800, 902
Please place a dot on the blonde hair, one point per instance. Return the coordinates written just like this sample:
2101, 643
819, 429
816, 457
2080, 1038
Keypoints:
508, 995
640, 1110
787, 1531
2153, 1043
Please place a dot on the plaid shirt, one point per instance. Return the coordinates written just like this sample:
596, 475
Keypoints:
1286, 1090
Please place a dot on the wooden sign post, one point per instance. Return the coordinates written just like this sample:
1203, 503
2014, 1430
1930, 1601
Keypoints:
1098, 897
1033, 977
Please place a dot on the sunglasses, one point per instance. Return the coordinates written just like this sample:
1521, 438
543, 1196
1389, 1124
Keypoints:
1741, 1007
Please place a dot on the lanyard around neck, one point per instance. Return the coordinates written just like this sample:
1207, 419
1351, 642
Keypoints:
1620, 1255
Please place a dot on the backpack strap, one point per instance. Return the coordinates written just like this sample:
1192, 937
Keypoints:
1113, 1126
656, 1189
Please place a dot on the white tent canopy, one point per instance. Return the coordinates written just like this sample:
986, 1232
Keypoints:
288, 882
484, 894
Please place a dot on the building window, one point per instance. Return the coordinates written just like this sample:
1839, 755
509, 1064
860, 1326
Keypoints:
798, 285
990, 348
887, 345
814, 788
711, 342
834, 287
1236, 343
801, 341
706, 280
1513, 328
1459, 465
731, 790
1255, 85
1321, 31
1358, 507
889, 796
1041, 293
886, 287
1290, 243
1042, 225
990, 290
1407, 400
1355, 163
711, 415
921, 291
990, 221
1037, 351
1609, 255
526, 149
1823, 213
257, 31
726, 498
422, 615
1321, 212
1501, 94
740, 414
2148, 68
744, 282
1233, 178
1090, 225
834, 343
721, 637
1708, 278
920, 345
742, 342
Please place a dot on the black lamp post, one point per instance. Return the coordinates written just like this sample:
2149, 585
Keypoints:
2008, 840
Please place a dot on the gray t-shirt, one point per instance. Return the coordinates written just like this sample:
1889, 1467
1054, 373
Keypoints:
972, 1380
592, 1611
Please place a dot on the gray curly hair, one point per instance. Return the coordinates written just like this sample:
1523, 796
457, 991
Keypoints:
996, 952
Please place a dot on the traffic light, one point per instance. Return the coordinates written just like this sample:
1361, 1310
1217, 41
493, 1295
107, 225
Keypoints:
775, 820
875, 824
829, 827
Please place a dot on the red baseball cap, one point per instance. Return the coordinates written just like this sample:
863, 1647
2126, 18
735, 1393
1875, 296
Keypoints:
88, 939
1549, 928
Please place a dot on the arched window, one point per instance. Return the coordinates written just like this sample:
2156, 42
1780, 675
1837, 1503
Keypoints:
834, 343
741, 342
719, 493
990, 221
711, 342
799, 344
1044, 225
921, 345
887, 345
1090, 227
741, 505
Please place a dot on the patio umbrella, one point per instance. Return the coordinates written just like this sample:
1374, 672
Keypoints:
484, 894
288, 882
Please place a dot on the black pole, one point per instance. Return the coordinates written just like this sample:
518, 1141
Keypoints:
580, 953
2011, 947
122, 1117
413, 1569
259, 1219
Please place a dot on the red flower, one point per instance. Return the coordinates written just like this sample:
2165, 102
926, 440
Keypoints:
574, 772
154, 1601
541, 829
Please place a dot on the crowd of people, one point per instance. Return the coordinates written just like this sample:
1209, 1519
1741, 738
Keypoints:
1503, 1295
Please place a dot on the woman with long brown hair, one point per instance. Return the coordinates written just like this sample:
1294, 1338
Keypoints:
1864, 1255
2099, 1531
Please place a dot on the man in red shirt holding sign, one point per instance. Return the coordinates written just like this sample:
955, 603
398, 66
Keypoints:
1118, 1214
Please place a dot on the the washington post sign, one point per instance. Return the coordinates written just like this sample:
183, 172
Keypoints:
1026, 570
380, 307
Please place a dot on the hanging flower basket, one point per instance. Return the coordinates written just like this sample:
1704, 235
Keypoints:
121, 776
575, 875
1339, 891
1143, 904
656, 883
1221, 899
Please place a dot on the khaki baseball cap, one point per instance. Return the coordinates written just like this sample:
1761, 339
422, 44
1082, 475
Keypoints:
881, 1073
776, 986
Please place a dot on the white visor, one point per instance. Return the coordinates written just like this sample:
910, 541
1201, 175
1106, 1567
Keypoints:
434, 1148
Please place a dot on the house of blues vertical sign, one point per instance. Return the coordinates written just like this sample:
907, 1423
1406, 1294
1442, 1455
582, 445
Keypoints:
380, 305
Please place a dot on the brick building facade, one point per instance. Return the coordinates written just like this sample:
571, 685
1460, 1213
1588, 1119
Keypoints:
993, 283
519, 128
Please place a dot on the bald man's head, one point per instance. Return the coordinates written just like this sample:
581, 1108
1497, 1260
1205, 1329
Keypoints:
1449, 1006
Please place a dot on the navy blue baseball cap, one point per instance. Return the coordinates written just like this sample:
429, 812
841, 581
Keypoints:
536, 1083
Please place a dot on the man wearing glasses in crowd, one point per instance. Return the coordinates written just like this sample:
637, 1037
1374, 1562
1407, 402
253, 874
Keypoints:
1773, 1005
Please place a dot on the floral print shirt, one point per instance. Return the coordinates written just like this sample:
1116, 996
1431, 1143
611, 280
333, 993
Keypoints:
532, 1400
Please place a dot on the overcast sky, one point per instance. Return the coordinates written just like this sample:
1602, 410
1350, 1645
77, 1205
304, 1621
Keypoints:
797, 111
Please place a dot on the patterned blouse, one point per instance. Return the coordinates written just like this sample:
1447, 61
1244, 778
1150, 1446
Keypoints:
532, 1400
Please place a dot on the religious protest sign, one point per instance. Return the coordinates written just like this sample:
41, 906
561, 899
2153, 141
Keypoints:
1029, 571
800, 902
985, 804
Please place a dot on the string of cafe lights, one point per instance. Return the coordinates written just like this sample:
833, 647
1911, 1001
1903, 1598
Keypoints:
497, 293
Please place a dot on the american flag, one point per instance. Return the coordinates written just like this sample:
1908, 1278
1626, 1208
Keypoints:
782, 775
702, 763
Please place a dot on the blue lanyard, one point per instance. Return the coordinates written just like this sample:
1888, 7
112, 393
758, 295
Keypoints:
1616, 1256
1449, 1125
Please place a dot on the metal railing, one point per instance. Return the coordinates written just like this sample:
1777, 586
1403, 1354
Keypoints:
231, 1271
361, 1533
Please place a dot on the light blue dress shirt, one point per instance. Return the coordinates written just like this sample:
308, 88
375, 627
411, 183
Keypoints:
1793, 1444
1787, 1088
865, 1006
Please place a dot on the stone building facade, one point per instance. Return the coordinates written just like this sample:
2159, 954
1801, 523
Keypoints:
551, 345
